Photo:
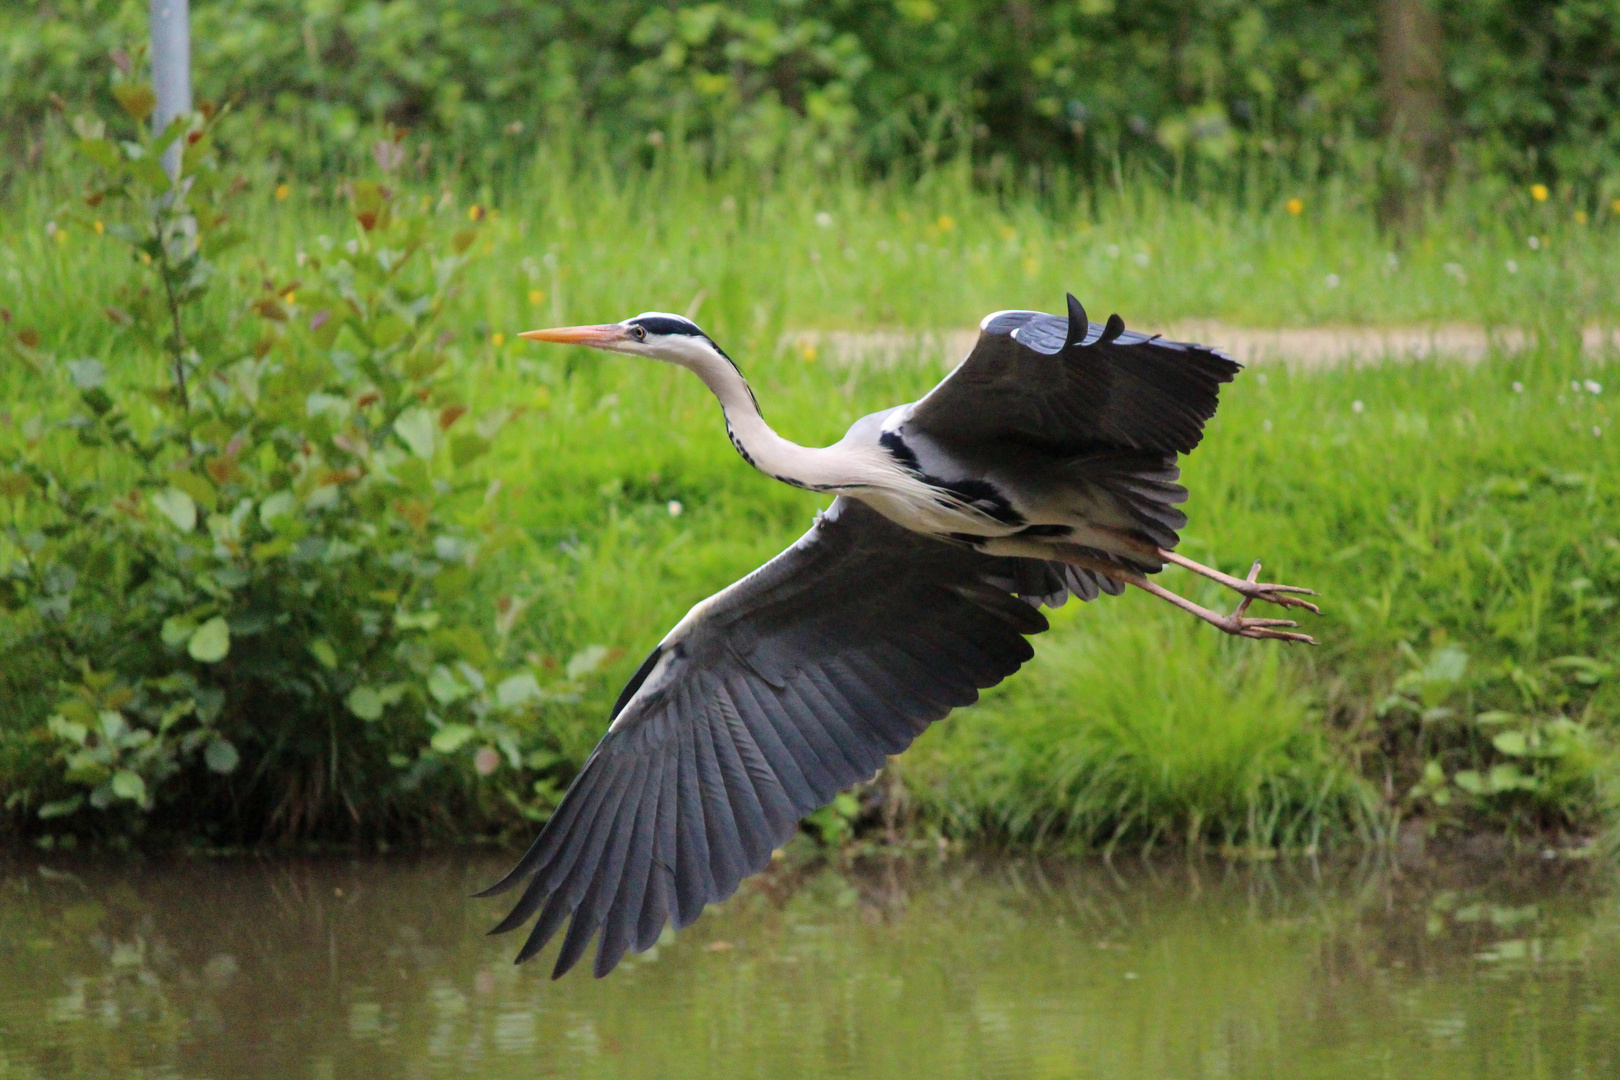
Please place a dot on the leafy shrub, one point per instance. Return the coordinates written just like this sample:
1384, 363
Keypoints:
248, 581
1503, 745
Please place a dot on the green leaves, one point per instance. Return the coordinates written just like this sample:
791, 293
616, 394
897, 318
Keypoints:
177, 630
211, 641
87, 373
129, 785
445, 687
149, 171
277, 505
466, 448
137, 99
388, 331
102, 152
1499, 780
452, 737
68, 730
221, 756
1514, 743
418, 429
178, 507
61, 807
518, 690
365, 703
368, 703
835, 822
322, 651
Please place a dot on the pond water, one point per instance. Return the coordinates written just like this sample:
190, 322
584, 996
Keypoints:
922, 967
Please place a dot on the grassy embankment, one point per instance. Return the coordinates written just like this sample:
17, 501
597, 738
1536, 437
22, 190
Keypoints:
1436, 506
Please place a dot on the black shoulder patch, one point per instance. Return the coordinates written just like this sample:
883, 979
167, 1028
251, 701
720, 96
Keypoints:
897, 448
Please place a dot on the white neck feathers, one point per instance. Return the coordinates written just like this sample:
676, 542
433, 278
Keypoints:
802, 466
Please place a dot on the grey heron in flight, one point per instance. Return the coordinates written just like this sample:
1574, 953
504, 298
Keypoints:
1042, 467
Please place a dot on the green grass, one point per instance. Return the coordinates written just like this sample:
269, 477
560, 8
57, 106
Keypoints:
1139, 726
1448, 509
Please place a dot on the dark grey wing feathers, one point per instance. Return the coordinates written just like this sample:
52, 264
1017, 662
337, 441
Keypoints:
797, 763
774, 801
749, 805
582, 801
624, 912
807, 747
1031, 380
618, 932
775, 695
721, 835
778, 758
694, 880
606, 875
656, 909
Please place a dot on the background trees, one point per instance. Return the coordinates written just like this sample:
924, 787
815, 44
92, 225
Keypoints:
1197, 90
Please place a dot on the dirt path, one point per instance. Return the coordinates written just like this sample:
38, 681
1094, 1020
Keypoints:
1311, 347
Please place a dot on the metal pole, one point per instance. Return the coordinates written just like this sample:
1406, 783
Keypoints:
171, 70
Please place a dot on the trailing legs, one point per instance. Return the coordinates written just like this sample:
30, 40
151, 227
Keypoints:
1239, 622
1249, 588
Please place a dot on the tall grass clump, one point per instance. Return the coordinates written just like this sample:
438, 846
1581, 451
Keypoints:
1136, 728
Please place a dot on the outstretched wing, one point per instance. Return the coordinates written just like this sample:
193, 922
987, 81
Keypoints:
761, 705
1069, 386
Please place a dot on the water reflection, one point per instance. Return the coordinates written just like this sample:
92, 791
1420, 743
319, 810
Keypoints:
961, 968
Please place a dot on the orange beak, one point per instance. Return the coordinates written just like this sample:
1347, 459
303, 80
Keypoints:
600, 337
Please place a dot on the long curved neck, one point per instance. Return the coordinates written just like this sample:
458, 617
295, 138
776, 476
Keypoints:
764, 449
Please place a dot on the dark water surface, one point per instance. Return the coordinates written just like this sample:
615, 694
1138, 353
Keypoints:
378, 967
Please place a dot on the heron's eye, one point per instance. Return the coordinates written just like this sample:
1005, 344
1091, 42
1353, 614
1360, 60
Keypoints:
640, 332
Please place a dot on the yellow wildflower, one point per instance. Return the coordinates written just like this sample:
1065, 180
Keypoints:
100, 228
945, 223
282, 191
498, 339
536, 296
1539, 192
1295, 206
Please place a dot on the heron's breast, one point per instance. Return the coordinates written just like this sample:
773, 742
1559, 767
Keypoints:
941, 512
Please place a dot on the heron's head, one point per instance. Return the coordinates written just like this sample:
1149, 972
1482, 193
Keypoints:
657, 335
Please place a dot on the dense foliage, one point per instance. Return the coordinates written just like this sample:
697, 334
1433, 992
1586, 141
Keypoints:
1231, 88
